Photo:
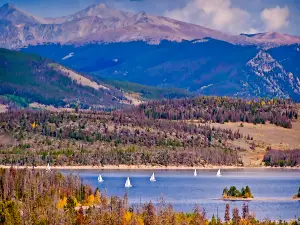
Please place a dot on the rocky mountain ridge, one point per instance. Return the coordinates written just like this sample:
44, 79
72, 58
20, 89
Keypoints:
99, 23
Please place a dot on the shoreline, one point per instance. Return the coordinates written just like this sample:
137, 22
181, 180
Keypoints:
237, 199
145, 167
259, 199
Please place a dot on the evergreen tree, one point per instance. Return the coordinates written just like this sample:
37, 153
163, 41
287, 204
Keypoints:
248, 193
245, 210
227, 213
236, 216
149, 214
198, 217
213, 221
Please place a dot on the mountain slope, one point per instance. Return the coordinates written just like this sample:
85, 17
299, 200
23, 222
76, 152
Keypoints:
274, 37
36, 79
11, 13
96, 10
205, 66
272, 77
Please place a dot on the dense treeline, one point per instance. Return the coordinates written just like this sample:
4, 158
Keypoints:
223, 109
100, 138
282, 158
40, 197
233, 192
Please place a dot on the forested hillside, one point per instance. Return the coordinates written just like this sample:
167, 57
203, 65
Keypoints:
157, 133
222, 109
112, 139
26, 79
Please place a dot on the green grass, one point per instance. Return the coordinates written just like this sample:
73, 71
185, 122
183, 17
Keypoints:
19, 101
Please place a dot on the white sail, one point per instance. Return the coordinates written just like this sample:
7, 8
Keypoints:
219, 173
128, 184
100, 180
195, 173
48, 167
152, 178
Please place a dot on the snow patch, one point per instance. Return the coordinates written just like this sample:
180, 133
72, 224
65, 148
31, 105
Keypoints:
200, 41
3, 108
68, 56
204, 87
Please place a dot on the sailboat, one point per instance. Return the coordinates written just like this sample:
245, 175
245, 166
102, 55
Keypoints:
195, 173
127, 183
48, 167
219, 173
152, 178
100, 180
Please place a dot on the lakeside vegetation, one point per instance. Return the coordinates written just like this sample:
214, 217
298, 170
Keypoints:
279, 158
234, 193
35, 197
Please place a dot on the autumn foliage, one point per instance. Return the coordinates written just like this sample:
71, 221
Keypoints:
36, 197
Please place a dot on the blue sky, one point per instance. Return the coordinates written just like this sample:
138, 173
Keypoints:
231, 16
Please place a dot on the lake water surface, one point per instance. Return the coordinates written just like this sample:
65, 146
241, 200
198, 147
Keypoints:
272, 188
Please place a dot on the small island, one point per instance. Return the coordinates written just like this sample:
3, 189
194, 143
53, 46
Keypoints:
234, 194
297, 196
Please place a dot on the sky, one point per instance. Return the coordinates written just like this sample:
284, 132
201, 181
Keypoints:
230, 16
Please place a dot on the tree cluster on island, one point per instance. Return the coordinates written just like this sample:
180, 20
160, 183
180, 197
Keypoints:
30, 196
234, 193
297, 196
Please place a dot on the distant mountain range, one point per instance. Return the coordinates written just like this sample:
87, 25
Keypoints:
109, 45
98, 23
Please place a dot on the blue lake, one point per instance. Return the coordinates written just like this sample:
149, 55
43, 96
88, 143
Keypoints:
272, 188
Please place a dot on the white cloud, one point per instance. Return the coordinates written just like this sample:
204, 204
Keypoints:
216, 14
275, 18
